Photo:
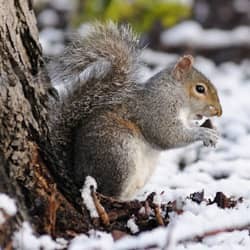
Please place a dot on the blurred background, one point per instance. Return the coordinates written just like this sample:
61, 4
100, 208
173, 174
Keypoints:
218, 30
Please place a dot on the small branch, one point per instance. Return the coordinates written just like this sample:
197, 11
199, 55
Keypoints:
213, 233
54, 204
5, 216
100, 209
158, 216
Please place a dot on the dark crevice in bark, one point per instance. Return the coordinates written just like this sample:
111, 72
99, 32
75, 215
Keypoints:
32, 50
29, 92
19, 11
9, 37
30, 5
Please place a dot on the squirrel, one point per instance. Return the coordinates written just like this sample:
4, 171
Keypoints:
110, 126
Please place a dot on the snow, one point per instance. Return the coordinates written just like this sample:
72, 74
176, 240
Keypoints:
190, 33
48, 17
64, 5
96, 240
196, 220
25, 239
157, 199
86, 196
8, 206
52, 40
157, 236
59, 5
192, 223
131, 224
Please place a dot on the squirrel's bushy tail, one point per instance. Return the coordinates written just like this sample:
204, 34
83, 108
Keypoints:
99, 69
102, 63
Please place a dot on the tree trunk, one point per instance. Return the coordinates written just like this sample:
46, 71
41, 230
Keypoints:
23, 129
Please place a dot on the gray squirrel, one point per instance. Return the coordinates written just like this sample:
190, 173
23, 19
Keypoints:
108, 126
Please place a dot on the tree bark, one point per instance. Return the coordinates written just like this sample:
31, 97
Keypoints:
23, 129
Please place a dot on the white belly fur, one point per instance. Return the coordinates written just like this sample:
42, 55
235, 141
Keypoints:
145, 163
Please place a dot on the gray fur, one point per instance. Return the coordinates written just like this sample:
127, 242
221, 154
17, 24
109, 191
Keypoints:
107, 125
97, 70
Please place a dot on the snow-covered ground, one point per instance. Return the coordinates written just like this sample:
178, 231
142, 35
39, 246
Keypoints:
190, 33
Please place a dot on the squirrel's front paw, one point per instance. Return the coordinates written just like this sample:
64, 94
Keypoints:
208, 136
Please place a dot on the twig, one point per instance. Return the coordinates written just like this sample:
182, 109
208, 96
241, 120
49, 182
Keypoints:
158, 215
100, 209
213, 233
53, 206
5, 216
198, 238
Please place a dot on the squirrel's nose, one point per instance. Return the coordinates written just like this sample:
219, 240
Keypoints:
215, 110
219, 110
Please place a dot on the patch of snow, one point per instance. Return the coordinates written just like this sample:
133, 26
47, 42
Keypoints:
25, 239
156, 237
8, 206
205, 221
78, 242
160, 59
48, 17
131, 224
64, 5
52, 41
96, 240
190, 33
157, 199
195, 221
86, 196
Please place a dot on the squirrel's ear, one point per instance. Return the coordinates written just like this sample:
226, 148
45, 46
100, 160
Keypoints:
182, 67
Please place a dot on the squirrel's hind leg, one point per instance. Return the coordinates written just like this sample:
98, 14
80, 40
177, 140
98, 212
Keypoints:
112, 150
106, 155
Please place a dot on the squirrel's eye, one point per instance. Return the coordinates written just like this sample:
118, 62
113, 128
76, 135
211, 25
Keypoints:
200, 89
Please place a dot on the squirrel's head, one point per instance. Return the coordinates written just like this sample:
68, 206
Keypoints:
201, 93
